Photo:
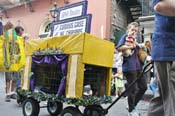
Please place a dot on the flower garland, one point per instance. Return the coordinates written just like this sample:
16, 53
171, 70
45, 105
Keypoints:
84, 101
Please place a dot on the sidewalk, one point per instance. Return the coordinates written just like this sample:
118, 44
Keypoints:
2, 82
119, 108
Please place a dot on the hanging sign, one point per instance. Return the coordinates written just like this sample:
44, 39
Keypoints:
72, 19
72, 11
72, 26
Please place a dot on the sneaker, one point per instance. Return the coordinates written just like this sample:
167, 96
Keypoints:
127, 107
133, 113
116, 96
7, 98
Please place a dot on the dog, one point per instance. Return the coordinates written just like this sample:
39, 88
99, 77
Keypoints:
145, 52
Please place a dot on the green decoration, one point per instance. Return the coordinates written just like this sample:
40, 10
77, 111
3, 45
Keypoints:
11, 49
15, 35
48, 51
6, 47
84, 101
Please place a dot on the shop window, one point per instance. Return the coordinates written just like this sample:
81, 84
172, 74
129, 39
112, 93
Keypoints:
45, 29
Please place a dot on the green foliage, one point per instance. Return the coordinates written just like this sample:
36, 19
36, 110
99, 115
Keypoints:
84, 101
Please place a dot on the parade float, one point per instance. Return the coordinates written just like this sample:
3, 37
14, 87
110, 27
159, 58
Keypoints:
73, 69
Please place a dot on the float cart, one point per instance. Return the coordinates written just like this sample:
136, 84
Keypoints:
73, 69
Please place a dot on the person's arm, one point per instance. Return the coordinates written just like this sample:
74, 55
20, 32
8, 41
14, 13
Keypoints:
122, 46
125, 47
165, 7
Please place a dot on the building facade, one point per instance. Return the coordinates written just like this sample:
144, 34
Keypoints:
109, 17
36, 17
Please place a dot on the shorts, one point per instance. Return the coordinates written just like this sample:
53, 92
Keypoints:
11, 76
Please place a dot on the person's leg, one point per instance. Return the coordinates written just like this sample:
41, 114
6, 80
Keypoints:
130, 77
120, 85
119, 91
156, 106
18, 81
142, 87
169, 104
163, 105
7, 88
13, 85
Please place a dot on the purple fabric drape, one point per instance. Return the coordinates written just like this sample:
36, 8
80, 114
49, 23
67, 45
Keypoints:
50, 60
32, 83
62, 86
60, 59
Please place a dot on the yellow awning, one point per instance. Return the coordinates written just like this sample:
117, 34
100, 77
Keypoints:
94, 50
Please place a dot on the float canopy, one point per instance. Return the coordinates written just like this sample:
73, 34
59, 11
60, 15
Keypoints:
94, 50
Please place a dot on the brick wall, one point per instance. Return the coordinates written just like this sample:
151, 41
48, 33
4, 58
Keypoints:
118, 16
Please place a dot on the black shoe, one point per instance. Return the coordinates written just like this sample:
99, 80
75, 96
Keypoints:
7, 98
13, 96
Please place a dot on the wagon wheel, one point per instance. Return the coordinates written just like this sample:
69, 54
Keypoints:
71, 111
30, 107
54, 108
93, 110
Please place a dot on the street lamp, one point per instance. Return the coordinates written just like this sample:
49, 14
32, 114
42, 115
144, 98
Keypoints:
54, 11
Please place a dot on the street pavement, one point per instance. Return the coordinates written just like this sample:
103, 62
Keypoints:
119, 108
